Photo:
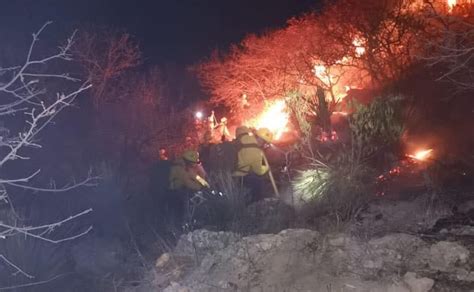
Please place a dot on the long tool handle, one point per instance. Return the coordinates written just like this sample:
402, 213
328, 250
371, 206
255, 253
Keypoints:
270, 174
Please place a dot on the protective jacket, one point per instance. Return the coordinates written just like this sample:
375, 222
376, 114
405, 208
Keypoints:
249, 157
185, 177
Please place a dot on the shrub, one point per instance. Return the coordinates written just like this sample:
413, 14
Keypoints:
341, 186
222, 212
343, 180
377, 125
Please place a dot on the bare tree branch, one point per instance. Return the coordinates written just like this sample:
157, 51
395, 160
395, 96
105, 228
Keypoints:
106, 55
26, 99
32, 284
17, 269
451, 46
10, 230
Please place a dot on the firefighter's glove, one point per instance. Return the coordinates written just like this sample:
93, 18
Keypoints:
202, 181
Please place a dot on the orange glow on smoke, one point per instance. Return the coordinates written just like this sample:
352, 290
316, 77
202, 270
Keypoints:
422, 155
274, 117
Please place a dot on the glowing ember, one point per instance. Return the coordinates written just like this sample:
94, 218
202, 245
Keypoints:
451, 4
275, 117
422, 155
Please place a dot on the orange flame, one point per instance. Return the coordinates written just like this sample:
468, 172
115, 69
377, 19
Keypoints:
451, 4
321, 72
332, 76
422, 155
274, 117
359, 48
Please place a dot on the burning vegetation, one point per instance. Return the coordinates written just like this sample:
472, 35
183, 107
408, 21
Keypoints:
350, 45
360, 100
341, 79
421, 155
275, 117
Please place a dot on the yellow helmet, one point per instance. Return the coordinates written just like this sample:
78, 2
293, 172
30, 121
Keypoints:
265, 134
241, 131
191, 156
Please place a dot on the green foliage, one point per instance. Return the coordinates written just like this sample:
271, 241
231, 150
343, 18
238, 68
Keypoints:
311, 184
376, 125
343, 184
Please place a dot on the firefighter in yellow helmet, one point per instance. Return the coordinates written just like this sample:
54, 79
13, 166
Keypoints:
251, 161
250, 156
265, 134
186, 176
186, 173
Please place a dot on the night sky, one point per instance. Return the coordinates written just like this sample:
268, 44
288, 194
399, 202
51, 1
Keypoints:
170, 31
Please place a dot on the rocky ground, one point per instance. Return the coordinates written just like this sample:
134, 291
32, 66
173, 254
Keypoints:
412, 245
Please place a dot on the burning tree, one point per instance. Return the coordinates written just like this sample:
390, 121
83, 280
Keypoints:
350, 44
29, 106
269, 66
377, 37
254, 79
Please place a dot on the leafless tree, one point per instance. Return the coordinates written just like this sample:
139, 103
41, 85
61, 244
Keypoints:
27, 99
105, 55
451, 44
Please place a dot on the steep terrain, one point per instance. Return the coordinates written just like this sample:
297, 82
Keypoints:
394, 246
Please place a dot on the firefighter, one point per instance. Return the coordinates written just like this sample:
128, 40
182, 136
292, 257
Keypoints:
186, 173
240, 132
212, 122
224, 130
251, 161
186, 177
250, 155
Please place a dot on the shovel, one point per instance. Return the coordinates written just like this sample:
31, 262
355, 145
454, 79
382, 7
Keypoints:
270, 174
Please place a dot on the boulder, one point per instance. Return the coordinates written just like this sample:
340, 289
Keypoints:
267, 216
403, 216
176, 287
445, 256
199, 243
418, 284
466, 207
305, 260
